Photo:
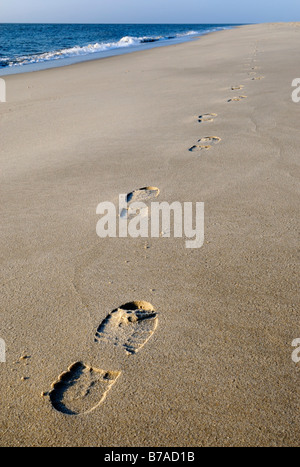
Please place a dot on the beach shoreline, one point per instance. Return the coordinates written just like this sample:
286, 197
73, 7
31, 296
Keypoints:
57, 58
210, 120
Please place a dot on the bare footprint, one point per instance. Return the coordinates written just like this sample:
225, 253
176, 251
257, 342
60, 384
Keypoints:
205, 143
236, 99
207, 117
236, 88
140, 195
129, 326
81, 389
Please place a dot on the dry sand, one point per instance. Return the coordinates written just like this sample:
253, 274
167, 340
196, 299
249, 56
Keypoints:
216, 367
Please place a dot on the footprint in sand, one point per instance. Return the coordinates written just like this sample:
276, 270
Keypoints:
236, 88
205, 143
81, 389
129, 326
237, 99
207, 117
140, 195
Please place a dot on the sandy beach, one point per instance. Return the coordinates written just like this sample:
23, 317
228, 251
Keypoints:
212, 365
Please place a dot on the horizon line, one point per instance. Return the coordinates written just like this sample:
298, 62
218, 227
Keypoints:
49, 22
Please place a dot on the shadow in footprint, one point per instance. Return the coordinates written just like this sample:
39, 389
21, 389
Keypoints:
81, 389
129, 326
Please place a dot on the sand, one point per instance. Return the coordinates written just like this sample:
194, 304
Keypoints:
214, 366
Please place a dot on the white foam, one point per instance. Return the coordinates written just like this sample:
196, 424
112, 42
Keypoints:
76, 51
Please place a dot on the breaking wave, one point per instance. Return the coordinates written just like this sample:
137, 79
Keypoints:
77, 51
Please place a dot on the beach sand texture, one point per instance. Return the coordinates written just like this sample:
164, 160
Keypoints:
142, 342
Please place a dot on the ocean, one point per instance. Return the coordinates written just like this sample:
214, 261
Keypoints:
29, 47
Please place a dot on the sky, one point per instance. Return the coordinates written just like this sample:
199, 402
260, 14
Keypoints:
148, 11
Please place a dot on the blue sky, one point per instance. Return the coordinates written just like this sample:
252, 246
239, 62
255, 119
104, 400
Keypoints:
149, 11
